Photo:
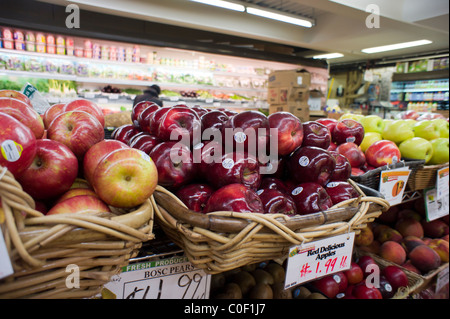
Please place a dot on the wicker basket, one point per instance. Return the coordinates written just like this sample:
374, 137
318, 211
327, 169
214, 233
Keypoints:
424, 177
221, 241
372, 178
42, 247
415, 282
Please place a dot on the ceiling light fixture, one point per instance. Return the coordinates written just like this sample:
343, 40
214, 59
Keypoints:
272, 14
223, 4
396, 46
328, 56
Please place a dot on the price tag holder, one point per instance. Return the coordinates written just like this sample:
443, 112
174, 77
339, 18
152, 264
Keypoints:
435, 207
393, 184
442, 188
442, 279
170, 278
6, 268
318, 259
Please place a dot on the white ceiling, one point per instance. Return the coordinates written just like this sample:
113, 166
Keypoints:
340, 25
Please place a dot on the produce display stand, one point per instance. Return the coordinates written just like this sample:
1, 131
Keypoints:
424, 177
220, 241
41, 247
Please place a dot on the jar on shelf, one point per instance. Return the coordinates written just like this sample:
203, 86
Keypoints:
19, 40
79, 52
30, 41
96, 51
40, 43
113, 53
8, 41
121, 54
104, 52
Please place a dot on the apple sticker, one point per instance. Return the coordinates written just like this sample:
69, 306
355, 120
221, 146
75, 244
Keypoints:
11, 151
297, 190
240, 137
227, 163
303, 161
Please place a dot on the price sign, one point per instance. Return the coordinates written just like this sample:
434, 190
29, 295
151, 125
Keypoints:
442, 279
442, 188
319, 258
170, 278
393, 184
435, 207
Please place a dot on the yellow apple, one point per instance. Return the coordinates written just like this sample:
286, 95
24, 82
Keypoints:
356, 117
79, 204
369, 139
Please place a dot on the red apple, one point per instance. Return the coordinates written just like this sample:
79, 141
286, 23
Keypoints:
234, 168
17, 145
144, 142
138, 109
353, 153
333, 146
289, 129
410, 115
273, 183
382, 153
72, 192
125, 132
204, 154
311, 164
16, 95
79, 204
24, 114
155, 119
386, 289
316, 134
348, 130
51, 113
355, 274
195, 196
357, 171
125, 178
199, 110
212, 122
340, 191
364, 262
174, 163
180, 124
78, 130
52, 172
86, 106
143, 119
277, 202
95, 154
343, 169
235, 198
361, 291
329, 123
310, 198
327, 286
395, 276
341, 280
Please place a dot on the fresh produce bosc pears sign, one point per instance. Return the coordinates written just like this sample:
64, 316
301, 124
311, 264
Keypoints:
319, 258
393, 183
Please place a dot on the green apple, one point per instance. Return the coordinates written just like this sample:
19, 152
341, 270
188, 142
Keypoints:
397, 132
410, 122
416, 148
369, 139
442, 124
356, 117
372, 123
426, 129
440, 151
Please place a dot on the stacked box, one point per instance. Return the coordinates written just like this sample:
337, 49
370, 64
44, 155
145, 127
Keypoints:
288, 91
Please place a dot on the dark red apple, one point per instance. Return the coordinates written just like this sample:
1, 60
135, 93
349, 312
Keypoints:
329, 123
273, 183
174, 163
361, 291
277, 202
353, 153
195, 196
395, 276
180, 124
155, 119
86, 106
310, 198
343, 169
316, 134
333, 146
234, 168
357, 171
212, 123
247, 131
124, 133
144, 142
52, 172
290, 133
17, 145
327, 286
341, 280
348, 130
199, 110
386, 289
235, 198
311, 164
206, 153
340, 191
140, 114
355, 274
364, 262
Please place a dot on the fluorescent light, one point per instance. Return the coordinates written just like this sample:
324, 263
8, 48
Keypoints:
280, 17
328, 56
396, 46
223, 4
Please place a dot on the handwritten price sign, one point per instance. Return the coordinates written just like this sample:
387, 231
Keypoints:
171, 278
319, 258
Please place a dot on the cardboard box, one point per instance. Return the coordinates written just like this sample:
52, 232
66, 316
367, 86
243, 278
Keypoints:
273, 108
300, 110
290, 78
284, 95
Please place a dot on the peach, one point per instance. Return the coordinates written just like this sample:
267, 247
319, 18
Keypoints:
365, 237
411, 242
409, 227
389, 234
389, 216
393, 251
373, 248
440, 246
378, 228
409, 213
408, 265
435, 228
419, 206
424, 258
